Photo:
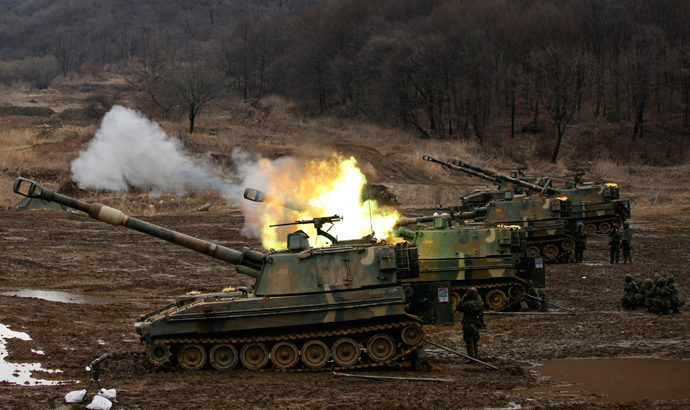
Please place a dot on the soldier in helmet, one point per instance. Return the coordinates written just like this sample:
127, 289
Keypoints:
676, 300
472, 320
662, 298
640, 290
580, 243
532, 296
630, 298
648, 292
626, 242
614, 244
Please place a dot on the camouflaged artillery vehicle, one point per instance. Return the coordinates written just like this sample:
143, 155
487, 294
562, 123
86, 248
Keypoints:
489, 258
596, 206
311, 309
544, 219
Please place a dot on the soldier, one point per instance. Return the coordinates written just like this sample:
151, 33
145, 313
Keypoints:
676, 300
648, 292
626, 242
532, 296
640, 290
662, 298
580, 243
472, 320
630, 298
614, 244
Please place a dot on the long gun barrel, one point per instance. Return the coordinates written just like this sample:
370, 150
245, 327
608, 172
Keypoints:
255, 195
248, 262
465, 170
534, 187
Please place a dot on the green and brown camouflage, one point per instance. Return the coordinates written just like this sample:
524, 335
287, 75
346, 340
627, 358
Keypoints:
490, 258
311, 308
595, 205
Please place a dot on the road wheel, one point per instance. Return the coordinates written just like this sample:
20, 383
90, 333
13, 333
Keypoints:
550, 251
158, 353
455, 299
191, 357
254, 356
533, 251
315, 354
516, 292
412, 335
345, 352
496, 299
591, 229
284, 355
604, 227
568, 245
380, 347
223, 357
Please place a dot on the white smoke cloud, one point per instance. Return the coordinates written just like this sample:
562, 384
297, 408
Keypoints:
131, 151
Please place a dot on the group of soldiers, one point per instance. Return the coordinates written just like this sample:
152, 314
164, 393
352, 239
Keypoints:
618, 240
660, 295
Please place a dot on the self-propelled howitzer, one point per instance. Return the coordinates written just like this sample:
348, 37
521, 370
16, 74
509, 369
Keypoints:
311, 308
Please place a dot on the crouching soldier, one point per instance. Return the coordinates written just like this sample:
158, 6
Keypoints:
472, 320
630, 298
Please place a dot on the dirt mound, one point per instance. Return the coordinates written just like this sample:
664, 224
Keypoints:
26, 111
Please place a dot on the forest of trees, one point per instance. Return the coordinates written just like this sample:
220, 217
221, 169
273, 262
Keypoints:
446, 69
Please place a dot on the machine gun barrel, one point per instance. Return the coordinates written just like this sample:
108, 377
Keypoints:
534, 187
248, 262
255, 195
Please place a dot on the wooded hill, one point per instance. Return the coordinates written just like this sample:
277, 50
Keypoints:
474, 69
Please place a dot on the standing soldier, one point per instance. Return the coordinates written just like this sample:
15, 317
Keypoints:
615, 244
580, 243
626, 242
472, 320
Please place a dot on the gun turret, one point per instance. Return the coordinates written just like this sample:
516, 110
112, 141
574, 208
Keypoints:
463, 169
248, 262
255, 195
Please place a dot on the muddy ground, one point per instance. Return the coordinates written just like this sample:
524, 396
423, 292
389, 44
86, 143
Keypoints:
129, 274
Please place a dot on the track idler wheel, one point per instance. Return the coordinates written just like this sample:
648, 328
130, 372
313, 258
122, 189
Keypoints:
254, 356
412, 335
345, 352
223, 357
315, 354
380, 347
284, 355
191, 357
158, 353
496, 299
590, 229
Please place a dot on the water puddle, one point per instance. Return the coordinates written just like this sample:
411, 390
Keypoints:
606, 380
20, 373
64, 297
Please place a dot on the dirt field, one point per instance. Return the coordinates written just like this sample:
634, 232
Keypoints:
122, 274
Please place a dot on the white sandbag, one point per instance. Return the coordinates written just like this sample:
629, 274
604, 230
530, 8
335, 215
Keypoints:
100, 403
76, 396
109, 394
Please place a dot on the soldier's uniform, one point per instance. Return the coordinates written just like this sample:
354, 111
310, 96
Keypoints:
631, 290
640, 290
626, 243
676, 300
472, 320
534, 302
662, 298
648, 293
580, 243
614, 244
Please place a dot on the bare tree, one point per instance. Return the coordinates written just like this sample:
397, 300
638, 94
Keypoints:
564, 83
194, 87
